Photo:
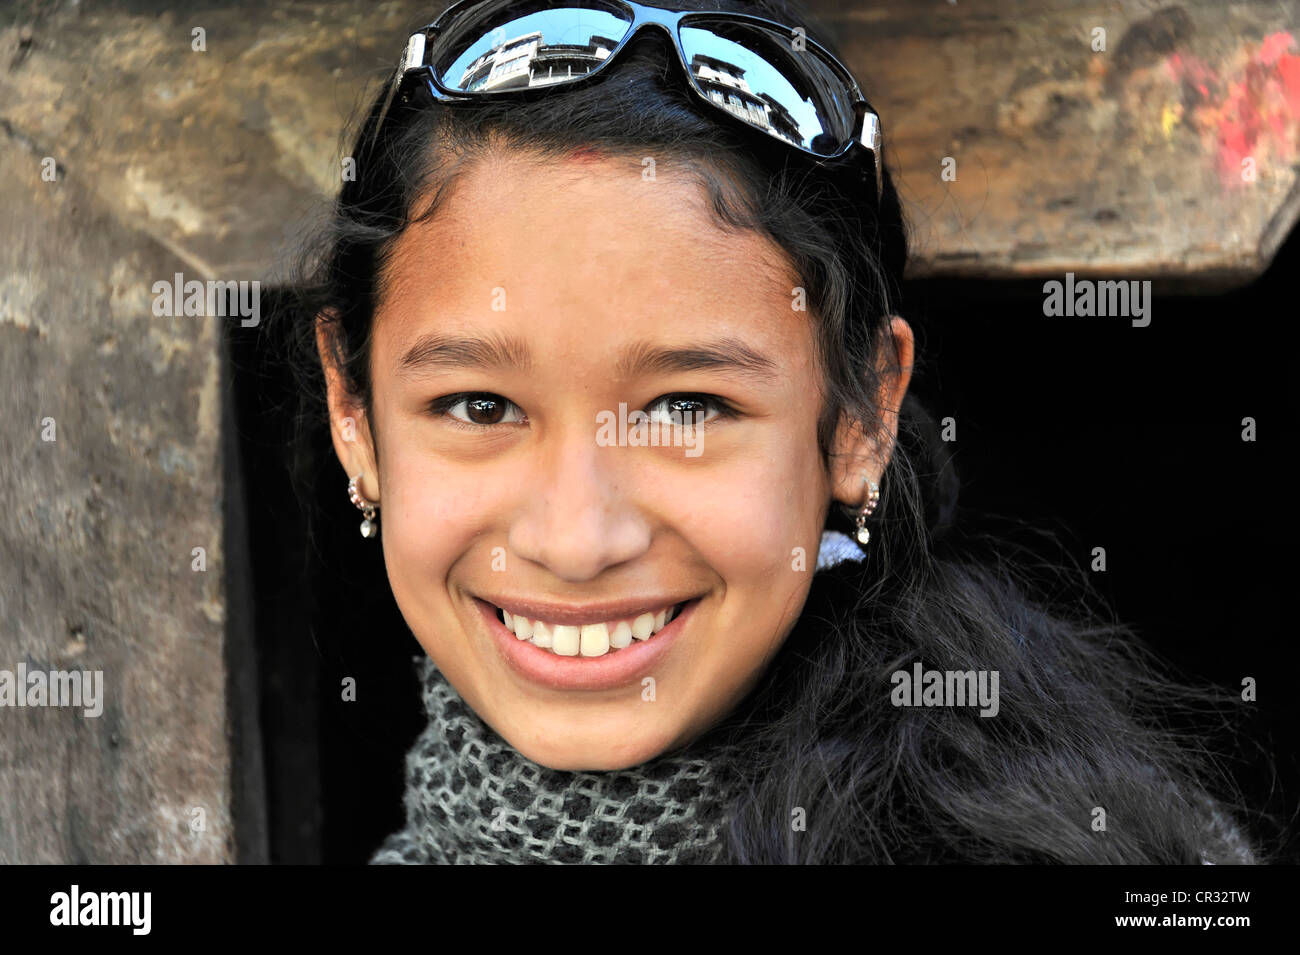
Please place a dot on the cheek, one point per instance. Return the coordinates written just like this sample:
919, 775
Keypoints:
747, 518
432, 511
758, 534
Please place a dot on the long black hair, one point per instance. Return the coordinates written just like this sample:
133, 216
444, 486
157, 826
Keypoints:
1086, 729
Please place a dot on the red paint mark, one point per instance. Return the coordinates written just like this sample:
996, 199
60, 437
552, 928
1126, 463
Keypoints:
1254, 112
1274, 45
1288, 72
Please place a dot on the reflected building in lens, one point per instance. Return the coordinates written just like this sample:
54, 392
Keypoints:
725, 84
527, 61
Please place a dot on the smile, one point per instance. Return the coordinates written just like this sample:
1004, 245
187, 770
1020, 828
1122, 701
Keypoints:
587, 639
590, 647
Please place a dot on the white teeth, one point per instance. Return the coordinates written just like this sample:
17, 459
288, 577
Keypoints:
643, 626
595, 640
565, 640
589, 640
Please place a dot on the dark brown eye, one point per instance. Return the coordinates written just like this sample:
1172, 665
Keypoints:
484, 410
480, 409
691, 408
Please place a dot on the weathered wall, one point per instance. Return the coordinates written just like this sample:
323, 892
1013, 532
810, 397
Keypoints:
1173, 152
95, 549
1126, 159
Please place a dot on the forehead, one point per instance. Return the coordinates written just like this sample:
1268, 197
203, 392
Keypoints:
595, 247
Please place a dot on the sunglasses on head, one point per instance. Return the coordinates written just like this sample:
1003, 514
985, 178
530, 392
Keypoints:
764, 75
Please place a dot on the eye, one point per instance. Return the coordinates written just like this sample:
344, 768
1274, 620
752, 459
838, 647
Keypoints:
689, 409
478, 409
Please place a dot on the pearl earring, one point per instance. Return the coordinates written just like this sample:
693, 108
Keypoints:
873, 498
369, 526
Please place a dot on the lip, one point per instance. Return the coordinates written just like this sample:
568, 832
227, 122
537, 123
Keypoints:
615, 669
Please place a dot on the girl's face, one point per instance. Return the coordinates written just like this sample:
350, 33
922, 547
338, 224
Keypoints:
595, 409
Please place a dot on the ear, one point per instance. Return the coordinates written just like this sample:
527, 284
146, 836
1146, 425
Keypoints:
349, 424
859, 457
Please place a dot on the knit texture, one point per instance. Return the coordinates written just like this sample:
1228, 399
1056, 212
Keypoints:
472, 798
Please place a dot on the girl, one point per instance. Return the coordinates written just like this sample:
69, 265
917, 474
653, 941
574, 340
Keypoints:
607, 331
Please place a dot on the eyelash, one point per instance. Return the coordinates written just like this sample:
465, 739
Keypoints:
440, 407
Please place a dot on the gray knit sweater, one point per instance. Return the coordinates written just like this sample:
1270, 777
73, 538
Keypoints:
472, 798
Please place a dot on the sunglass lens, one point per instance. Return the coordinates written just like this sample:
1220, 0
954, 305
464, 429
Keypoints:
513, 45
763, 77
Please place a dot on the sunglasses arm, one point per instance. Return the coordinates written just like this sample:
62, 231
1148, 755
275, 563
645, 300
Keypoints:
870, 139
412, 57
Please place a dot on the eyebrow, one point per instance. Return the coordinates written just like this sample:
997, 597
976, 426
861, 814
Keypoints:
434, 351
501, 352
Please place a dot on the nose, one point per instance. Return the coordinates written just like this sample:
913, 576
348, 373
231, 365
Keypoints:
577, 518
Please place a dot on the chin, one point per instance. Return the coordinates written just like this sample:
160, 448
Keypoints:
591, 756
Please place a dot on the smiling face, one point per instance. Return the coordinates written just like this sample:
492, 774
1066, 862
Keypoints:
544, 304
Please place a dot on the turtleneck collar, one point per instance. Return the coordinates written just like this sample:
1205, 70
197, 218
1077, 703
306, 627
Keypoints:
472, 798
